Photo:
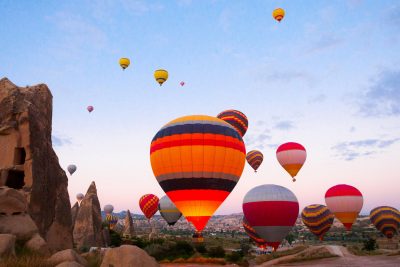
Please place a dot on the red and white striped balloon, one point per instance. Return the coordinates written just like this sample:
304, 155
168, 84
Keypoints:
272, 211
292, 157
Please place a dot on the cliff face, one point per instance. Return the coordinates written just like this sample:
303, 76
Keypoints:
29, 163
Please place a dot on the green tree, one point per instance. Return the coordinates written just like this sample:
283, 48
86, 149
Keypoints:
216, 252
370, 244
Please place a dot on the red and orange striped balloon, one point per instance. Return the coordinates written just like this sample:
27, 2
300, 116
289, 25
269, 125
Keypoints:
197, 160
261, 243
235, 118
345, 201
292, 157
149, 205
254, 158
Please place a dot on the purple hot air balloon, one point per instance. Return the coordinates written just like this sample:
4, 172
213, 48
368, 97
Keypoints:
90, 108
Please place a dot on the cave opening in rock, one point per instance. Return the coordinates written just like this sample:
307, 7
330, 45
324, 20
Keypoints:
19, 156
15, 179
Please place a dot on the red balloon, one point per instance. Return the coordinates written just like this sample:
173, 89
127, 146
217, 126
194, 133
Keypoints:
149, 205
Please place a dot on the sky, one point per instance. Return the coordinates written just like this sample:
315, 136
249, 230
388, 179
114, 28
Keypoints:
327, 76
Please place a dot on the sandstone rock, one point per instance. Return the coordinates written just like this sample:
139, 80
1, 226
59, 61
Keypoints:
127, 255
67, 255
70, 264
74, 212
12, 201
106, 237
128, 231
37, 243
7, 245
88, 223
28, 161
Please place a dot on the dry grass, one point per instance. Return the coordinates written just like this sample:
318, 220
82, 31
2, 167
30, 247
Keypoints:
197, 260
31, 260
394, 253
311, 255
358, 251
278, 254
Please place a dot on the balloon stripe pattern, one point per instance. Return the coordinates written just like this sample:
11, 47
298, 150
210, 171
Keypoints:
112, 220
254, 158
168, 210
318, 219
386, 219
345, 202
292, 157
149, 205
272, 211
197, 161
235, 118
261, 243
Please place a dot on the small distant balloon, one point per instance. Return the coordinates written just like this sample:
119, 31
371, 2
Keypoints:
79, 196
235, 118
182, 83
149, 205
291, 156
278, 14
161, 76
71, 169
124, 62
90, 108
108, 209
254, 158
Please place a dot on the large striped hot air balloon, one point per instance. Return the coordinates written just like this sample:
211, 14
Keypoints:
318, 219
254, 158
345, 201
111, 220
197, 161
261, 243
386, 219
292, 157
235, 118
149, 205
168, 210
272, 211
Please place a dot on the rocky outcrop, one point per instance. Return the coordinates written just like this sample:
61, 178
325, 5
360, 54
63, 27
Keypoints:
37, 243
128, 231
74, 213
127, 255
106, 237
29, 163
88, 224
67, 255
7, 245
70, 264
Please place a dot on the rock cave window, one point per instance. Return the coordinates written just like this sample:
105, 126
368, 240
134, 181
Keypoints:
15, 179
19, 156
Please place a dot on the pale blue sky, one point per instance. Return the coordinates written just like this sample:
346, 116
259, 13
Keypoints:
327, 76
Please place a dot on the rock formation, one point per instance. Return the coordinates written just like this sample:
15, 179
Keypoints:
74, 212
67, 255
7, 245
128, 231
127, 255
28, 162
88, 223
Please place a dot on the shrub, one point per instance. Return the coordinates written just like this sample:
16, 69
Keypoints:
235, 256
115, 239
370, 244
216, 252
201, 248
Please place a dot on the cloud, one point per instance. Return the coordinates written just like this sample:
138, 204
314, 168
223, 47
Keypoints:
382, 98
361, 148
60, 141
324, 42
284, 125
317, 99
287, 76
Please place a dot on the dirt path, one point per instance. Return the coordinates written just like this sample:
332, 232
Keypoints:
356, 261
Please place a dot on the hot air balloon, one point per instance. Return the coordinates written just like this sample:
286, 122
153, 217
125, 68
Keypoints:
124, 62
272, 211
161, 76
235, 118
168, 210
261, 243
197, 161
149, 205
345, 201
318, 219
111, 220
292, 157
90, 108
182, 83
278, 14
254, 158
79, 197
108, 209
71, 169
386, 219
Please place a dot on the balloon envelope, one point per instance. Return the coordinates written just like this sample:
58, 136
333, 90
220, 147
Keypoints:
124, 62
161, 76
149, 205
345, 202
318, 218
182, 83
168, 210
261, 243
235, 118
112, 220
291, 156
386, 219
278, 14
254, 158
71, 169
90, 108
272, 211
108, 208
197, 160
80, 196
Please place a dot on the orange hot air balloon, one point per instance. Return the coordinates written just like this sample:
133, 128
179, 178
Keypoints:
292, 157
345, 201
278, 14
149, 205
235, 118
197, 160
254, 158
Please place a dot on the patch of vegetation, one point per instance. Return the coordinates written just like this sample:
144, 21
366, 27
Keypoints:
216, 252
115, 239
170, 250
201, 248
24, 257
370, 244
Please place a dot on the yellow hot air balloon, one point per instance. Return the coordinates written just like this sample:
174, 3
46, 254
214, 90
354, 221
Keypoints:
278, 14
161, 76
124, 62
